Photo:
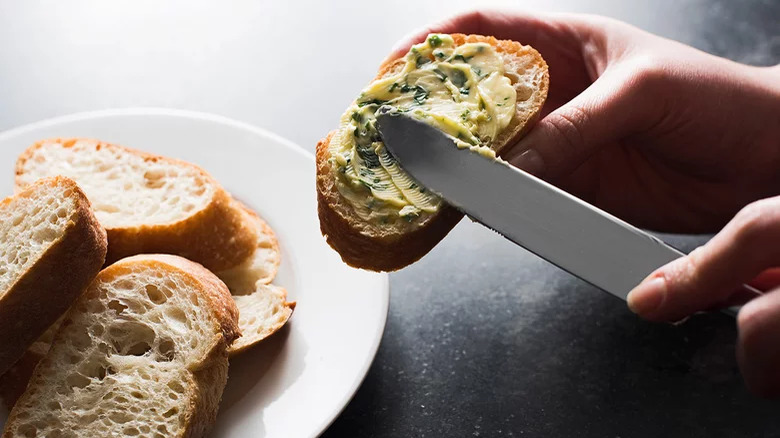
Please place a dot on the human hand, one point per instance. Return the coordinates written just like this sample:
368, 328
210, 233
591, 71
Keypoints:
746, 251
670, 138
653, 131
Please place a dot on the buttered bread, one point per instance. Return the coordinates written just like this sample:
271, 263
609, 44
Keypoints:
484, 92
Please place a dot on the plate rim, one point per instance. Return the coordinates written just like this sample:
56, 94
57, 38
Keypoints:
201, 116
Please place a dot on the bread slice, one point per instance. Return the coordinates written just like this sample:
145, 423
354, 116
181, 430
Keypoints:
263, 308
261, 314
51, 247
387, 247
262, 265
142, 353
147, 203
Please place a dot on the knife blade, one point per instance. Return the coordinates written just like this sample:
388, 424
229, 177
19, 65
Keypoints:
551, 223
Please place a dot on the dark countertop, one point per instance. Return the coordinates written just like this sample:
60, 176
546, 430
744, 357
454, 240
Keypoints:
485, 339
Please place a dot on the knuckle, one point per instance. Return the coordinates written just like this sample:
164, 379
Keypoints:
756, 222
683, 274
647, 74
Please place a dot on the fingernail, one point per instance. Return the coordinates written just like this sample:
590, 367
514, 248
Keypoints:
648, 296
530, 161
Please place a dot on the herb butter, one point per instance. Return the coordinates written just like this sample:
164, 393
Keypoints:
463, 91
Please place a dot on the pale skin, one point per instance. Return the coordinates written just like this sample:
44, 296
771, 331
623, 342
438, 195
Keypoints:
668, 138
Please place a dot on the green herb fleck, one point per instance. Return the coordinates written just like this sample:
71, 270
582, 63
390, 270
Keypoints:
434, 40
420, 95
421, 61
458, 78
372, 102
394, 86
460, 57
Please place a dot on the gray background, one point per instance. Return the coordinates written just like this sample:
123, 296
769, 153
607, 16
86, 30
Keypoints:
482, 339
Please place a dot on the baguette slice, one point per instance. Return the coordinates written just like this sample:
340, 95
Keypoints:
261, 314
147, 203
262, 265
142, 353
388, 247
263, 308
51, 247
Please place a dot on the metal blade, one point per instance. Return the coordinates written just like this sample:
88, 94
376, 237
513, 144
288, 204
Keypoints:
579, 238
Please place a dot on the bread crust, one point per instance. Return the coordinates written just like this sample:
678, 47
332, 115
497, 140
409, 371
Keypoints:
14, 381
216, 236
381, 248
248, 340
207, 378
57, 278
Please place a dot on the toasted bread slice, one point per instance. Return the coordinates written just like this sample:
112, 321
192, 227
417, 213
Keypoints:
263, 308
142, 353
147, 203
51, 247
387, 247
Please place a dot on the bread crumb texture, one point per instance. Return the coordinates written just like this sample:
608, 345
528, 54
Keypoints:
30, 223
127, 188
127, 360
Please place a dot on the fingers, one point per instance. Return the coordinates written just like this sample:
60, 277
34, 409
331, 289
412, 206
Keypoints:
618, 104
579, 50
757, 348
547, 33
747, 246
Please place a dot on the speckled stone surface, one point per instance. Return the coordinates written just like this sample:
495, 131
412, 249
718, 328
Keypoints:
485, 339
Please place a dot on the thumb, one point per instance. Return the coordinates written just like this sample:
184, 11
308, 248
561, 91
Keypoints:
618, 104
712, 273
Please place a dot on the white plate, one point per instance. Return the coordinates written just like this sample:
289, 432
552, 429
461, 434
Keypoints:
297, 382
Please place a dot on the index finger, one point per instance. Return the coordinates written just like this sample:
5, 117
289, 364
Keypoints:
546, 32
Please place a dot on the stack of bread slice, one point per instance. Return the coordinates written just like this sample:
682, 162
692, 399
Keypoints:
164, 323
143, 352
